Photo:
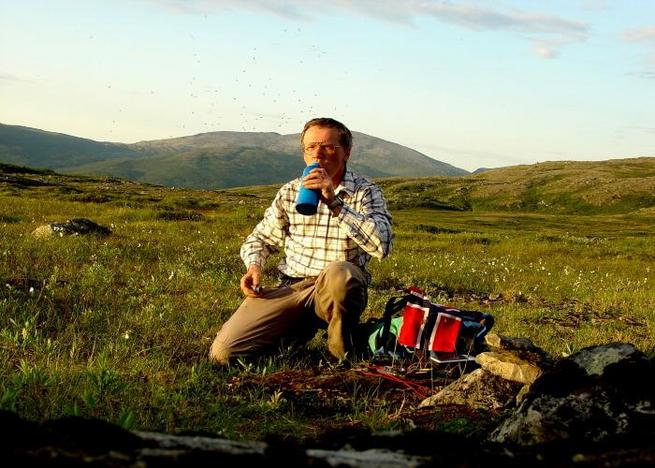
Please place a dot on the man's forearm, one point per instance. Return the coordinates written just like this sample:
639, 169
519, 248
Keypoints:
253, 252
372, 233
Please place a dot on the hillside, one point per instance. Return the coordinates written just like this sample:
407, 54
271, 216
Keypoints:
207, 160
37, 148
594, 187
601, 187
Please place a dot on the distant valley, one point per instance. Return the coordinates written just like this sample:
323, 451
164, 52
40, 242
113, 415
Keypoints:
207, 161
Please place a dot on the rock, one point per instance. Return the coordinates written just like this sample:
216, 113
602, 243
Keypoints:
525, 390
175, 442
478, 389
617, 367
523, 348
595, 361
72, 227
43, 232
595, 395
508, 366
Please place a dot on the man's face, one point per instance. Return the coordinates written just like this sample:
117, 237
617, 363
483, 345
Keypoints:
323, 138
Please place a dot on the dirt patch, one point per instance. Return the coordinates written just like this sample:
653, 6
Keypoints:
326, 396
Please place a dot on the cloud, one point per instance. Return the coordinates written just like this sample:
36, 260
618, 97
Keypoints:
646, 37
595, 4
646, 75
534, 26
481, 18
14, 78
293, 10
639, 34
640, 128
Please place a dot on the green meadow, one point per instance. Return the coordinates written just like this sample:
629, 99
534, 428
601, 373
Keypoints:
118, 327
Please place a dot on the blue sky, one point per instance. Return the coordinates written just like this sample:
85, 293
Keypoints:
474, 84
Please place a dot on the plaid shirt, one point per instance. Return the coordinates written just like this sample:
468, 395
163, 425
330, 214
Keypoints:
361, 230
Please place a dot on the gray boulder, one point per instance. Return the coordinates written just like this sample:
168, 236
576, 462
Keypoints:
72, 227
595, 395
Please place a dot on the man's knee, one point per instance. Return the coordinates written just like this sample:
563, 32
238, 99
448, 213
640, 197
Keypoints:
344, 274
341, 288
219, 353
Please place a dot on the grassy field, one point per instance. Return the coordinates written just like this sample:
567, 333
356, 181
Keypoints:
118, 327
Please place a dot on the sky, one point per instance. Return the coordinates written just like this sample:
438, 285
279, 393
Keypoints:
470, 83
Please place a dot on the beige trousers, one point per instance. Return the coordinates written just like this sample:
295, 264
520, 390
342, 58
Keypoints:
337, 297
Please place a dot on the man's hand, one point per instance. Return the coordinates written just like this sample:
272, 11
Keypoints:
321, 180
250, 282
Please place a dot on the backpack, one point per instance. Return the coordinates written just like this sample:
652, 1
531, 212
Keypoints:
412, 326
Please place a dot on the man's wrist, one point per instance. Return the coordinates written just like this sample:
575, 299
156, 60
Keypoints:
337, 202
255, 264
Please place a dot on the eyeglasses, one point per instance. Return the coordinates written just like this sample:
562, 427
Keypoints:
314, 147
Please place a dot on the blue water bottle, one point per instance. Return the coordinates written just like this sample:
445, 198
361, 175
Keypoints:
307, 200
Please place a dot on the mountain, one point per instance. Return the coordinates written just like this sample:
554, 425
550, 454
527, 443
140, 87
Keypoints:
37, 148
206, 160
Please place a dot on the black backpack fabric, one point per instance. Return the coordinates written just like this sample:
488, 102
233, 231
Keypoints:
413, 325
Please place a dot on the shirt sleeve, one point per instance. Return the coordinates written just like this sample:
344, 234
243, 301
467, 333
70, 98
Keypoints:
370, 225
268, 236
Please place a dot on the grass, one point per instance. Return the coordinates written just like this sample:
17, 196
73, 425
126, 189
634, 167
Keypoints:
118, 327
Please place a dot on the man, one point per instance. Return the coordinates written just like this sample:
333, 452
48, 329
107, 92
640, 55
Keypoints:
324, 274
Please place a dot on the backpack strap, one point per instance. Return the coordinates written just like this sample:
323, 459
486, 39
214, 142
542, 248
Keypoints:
394, 305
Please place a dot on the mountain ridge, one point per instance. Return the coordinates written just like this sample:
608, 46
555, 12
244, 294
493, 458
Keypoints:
219, 159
